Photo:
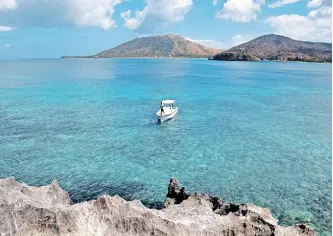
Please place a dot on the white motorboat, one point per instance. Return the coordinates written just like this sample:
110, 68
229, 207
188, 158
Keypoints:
167, 110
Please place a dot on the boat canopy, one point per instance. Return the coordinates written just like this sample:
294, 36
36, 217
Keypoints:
168, 102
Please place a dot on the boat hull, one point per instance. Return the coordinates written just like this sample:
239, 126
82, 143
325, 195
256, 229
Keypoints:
167, 116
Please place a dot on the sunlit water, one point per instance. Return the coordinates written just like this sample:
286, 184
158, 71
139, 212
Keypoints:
248, 132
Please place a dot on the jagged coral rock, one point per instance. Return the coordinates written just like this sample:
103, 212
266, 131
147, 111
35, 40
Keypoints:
47, 210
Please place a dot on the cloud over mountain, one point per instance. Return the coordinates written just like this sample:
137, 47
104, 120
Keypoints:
156, 13
241, 11
316, 25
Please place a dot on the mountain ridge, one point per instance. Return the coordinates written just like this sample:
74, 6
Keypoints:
169, 45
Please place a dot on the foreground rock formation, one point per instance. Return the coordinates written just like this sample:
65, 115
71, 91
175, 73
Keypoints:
47, 210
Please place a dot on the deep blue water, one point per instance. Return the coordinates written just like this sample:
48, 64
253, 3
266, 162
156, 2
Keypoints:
249, 132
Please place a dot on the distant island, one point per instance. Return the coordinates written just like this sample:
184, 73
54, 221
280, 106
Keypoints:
170, 45
278, 48
267, 47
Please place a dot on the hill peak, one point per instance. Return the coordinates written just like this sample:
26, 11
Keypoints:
169, 45
278, 47
171, 36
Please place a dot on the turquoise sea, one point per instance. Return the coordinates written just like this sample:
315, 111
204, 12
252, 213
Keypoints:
248, 132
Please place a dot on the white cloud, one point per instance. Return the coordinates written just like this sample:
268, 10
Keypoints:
316, 26
58, 13
5, 28
215, 2
240, 39
132, 23
6, 5
7, 45
314, 3
211, 43
157, 12
242, 11
281, 3
96, 13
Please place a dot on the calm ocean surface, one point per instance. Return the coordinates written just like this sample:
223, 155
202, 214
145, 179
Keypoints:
249, 132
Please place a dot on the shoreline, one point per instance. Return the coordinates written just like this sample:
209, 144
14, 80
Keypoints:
48, 210
202, 58
157, 58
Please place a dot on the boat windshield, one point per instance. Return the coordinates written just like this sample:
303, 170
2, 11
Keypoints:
168, 103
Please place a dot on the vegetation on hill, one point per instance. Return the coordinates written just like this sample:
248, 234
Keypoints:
157, 46
280, 48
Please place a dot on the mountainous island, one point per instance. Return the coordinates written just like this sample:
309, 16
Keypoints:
157, 46
278, 48
266, 47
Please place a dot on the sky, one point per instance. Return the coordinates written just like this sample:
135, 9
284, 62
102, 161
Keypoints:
54, 28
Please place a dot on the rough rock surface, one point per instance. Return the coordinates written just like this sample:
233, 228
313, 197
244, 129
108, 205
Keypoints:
235, 56
47, 210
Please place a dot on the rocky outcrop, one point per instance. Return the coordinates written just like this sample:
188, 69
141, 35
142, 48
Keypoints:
235, 56
47, 210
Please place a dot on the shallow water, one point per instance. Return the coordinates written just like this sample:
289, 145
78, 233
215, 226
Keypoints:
249, 132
